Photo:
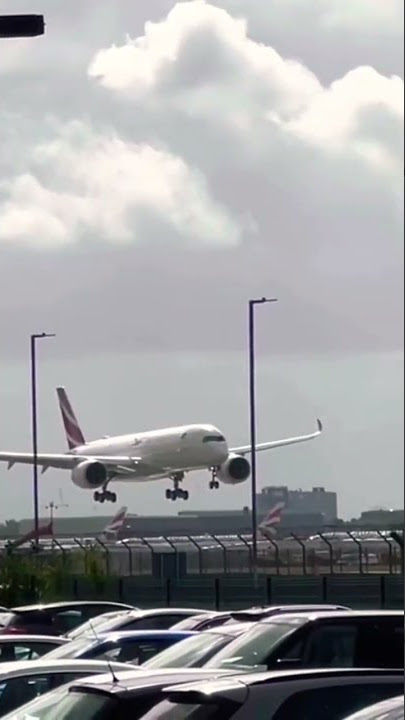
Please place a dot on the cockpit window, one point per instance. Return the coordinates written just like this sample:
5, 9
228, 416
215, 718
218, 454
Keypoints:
213, 438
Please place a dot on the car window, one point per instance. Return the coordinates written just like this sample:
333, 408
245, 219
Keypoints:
190, 652
11, 651
334, 702
381, 643
17, 691
67, 620
331, 646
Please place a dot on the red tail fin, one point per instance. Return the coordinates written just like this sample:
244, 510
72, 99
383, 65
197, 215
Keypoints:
74, 435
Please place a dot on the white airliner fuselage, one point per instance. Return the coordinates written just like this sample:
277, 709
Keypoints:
145, 456
183, 448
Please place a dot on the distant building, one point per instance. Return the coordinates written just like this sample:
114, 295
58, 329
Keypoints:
318, 501
382, 517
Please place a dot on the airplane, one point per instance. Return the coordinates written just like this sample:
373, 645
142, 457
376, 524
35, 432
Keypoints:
153, 455
268, 526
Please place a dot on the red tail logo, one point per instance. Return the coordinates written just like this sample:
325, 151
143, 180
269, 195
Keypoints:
74, 435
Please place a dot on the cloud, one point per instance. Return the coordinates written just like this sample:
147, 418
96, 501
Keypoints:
329, 36
317, 167
83, 185
193, 135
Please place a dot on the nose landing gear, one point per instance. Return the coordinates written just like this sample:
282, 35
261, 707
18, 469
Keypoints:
214, 484
177, 491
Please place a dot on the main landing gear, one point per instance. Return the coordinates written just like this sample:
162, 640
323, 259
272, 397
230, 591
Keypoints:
177, 491
105, 496
214, 484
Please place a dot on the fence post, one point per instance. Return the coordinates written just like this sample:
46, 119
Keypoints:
168, 592
382, 592
217, 592
269, 589
324, 589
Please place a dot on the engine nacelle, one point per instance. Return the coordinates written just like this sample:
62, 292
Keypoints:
89, 474
235, 470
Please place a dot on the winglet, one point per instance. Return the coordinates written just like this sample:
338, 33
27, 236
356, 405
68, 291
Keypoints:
320, 425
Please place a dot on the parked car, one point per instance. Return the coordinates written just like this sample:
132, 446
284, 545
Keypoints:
24, 681
130, 696
133, 646
392, 709
195, 651
289, 695
154, 619
27, 647
54, 618
336, 639
209, 620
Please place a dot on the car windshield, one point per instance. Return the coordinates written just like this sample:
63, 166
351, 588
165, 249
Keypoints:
36, 709
72, 649
88, 626
63, 705
191, 652
251, 649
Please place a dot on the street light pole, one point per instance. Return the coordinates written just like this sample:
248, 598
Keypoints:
252, 407
34, 338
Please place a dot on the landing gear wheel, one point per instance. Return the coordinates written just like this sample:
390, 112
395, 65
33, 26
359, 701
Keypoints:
214, 484
105, 496
177, 491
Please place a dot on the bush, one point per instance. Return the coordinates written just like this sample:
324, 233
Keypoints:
45, 576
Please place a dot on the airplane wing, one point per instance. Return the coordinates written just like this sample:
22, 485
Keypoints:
121, 464
244, 449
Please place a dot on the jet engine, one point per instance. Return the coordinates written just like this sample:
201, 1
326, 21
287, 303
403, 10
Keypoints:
89, 474
235, 470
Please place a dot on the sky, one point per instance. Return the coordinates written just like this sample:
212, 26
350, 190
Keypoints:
161, 163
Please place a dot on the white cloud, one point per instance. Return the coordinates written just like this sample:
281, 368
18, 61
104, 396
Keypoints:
202, 111
320, 165
100, 186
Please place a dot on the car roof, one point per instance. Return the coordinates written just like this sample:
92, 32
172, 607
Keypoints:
38, 667
224, 684
145, 634
135, 678
19, 639
39, 607
300, 607
313, 616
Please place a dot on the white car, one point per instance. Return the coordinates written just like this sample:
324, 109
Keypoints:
21, 682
